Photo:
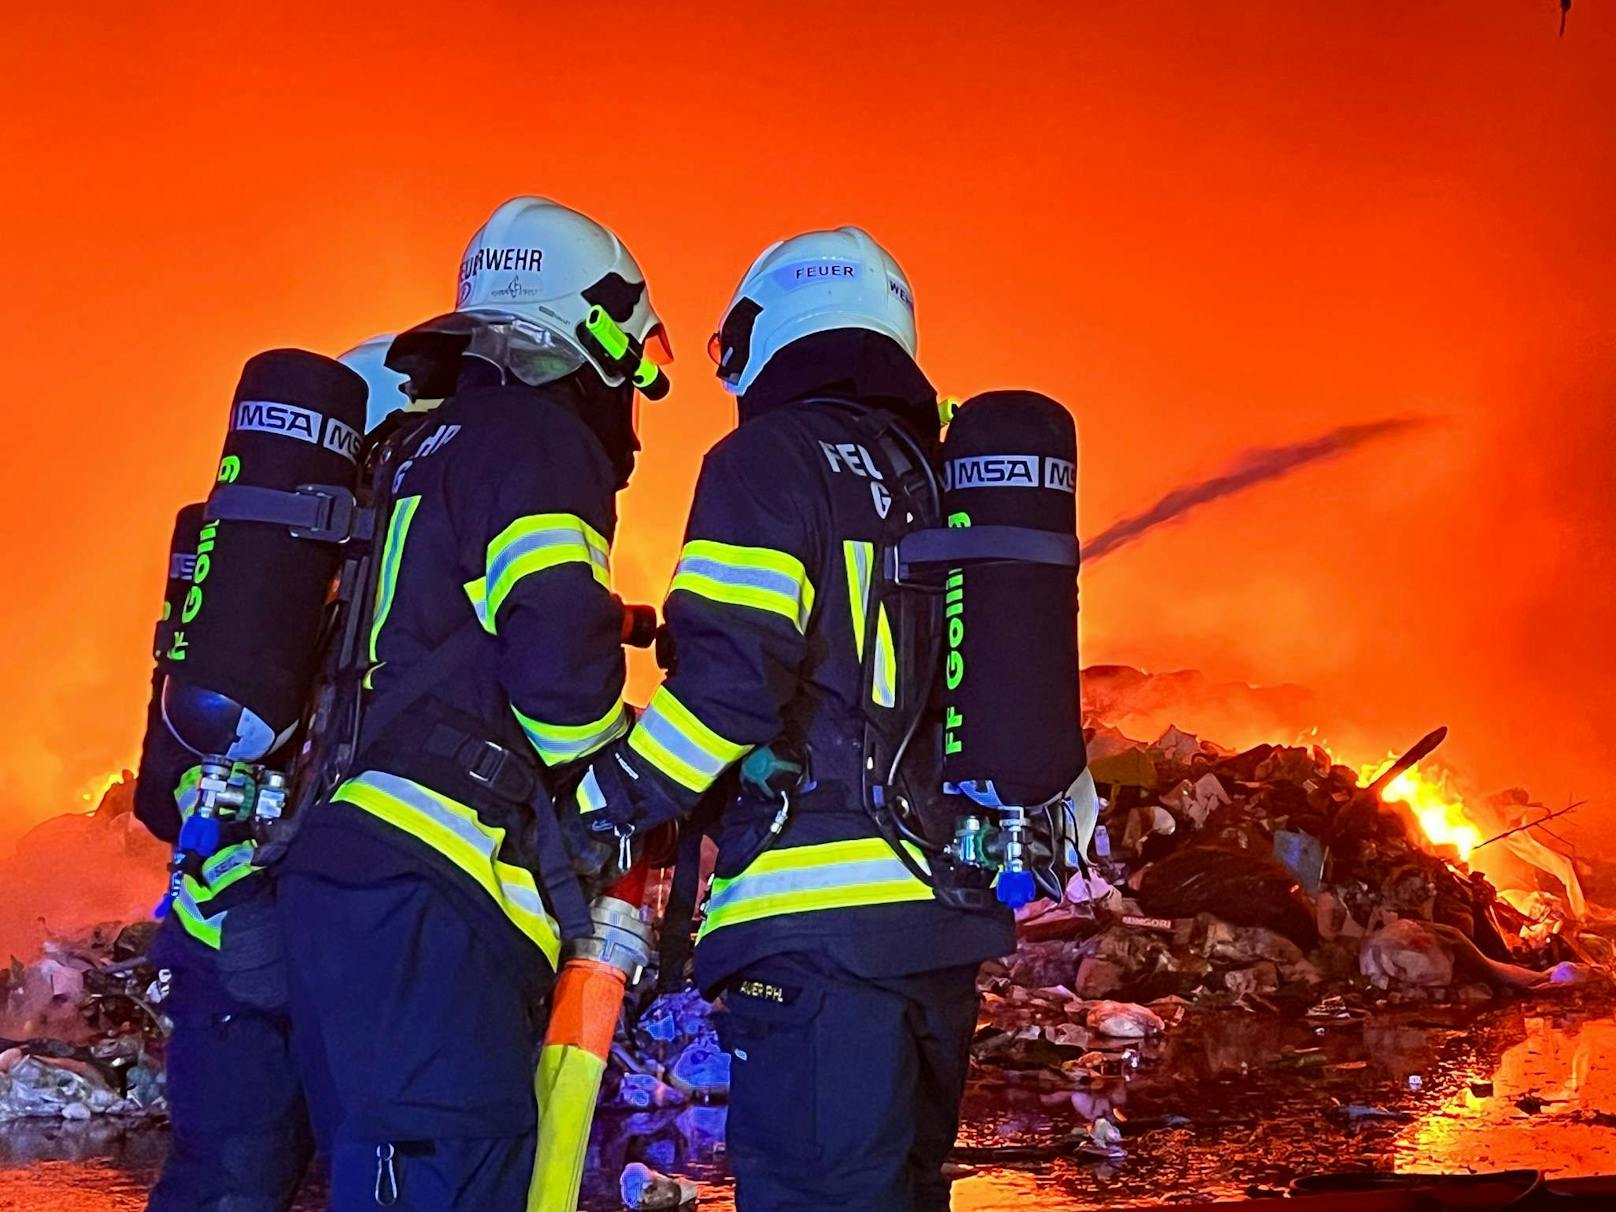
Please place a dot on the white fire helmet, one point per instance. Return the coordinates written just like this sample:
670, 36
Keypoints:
386, 395
547, 289
815, 282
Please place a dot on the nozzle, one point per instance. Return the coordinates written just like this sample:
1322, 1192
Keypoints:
1015, 888
639, 625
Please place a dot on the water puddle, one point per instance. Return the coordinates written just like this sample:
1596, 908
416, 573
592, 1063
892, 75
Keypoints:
1230, 1105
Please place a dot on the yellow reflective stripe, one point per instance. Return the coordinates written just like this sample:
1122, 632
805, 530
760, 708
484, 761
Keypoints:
590, 797
185, 791
477, 592
558, 743
398, 530
884, 682
672, 739
230, 866
456, 832
858, 557
760, 578
188, 909
806, 879
539, 541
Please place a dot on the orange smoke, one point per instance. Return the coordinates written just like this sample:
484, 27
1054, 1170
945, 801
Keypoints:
1209, 228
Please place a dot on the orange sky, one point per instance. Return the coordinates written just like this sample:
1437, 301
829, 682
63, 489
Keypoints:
1203, 226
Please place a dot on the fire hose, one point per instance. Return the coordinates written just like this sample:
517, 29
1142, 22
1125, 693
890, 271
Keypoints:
584, 1010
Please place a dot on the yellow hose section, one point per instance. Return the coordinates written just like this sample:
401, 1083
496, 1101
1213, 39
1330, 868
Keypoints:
567, 1084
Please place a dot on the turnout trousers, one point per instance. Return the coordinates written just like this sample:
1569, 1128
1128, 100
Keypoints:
417, 1031
844, 1090
240, 1139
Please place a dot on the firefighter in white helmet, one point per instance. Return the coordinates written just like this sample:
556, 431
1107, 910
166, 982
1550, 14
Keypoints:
848, 977
425, 903
241, 1138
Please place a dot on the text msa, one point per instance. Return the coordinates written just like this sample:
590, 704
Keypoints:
304, 424
1010, 471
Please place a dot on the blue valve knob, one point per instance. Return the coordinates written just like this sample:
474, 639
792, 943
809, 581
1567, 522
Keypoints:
200, 835
1015, 888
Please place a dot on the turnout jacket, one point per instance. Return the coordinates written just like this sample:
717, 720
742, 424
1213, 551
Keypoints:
767, 610
502, 523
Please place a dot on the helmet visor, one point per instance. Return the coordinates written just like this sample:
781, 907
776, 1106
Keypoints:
530, 352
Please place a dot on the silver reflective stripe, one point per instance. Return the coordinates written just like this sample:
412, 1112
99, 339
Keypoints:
478, 841
668, 734
555, 746
225, 862
417, 798
557, 537
769, 579
186, 900
808, 879
524, 897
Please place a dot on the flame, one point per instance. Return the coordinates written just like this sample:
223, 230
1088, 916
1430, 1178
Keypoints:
95, 789
1439, 809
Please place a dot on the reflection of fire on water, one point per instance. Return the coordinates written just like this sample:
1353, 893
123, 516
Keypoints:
1547, 1080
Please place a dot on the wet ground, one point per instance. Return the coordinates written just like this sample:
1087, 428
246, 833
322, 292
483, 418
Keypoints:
1232, 1104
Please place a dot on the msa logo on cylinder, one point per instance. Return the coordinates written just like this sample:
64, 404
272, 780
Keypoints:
1009, 471
304, 424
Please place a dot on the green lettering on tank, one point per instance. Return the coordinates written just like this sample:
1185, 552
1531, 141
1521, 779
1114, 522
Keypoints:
229, 469
954, 656
193, 596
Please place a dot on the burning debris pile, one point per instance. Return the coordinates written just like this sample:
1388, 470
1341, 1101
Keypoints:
1275, 882
1242, 878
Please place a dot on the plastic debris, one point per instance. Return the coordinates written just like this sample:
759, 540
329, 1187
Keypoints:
1407, 953
642, 1187
36, 1086
1303, 856
1124, 1020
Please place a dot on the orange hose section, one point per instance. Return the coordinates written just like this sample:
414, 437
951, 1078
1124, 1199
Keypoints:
584, 1008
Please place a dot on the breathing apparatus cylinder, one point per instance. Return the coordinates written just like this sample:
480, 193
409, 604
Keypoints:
162, 758
241, 657
1012, 732
181, 567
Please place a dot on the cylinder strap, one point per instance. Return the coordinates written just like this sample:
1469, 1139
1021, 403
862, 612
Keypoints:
322, 512
956, 545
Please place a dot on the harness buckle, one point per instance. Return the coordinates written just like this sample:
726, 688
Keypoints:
487, 762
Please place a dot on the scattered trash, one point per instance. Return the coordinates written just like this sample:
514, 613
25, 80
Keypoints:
1303, 856
1123, 1020
1230, 897
1105, 1141
643, 1187
1407, 953
1357, 1112
65, 1088
1242, 888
